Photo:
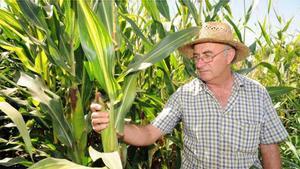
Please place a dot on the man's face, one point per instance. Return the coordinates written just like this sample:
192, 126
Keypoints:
212, 60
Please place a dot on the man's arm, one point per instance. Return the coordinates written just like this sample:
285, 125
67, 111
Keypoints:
270, 156
133, 134
141, 135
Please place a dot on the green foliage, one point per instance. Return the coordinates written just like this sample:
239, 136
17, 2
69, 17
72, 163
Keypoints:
55, 53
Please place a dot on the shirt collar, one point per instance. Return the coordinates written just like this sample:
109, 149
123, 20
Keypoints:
238, 81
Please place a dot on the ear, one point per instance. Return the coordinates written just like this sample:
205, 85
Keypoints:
230, 56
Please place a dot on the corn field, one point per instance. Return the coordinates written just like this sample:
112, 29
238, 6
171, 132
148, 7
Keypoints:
58, 55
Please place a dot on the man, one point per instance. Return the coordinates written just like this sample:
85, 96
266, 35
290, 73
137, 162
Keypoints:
226, 117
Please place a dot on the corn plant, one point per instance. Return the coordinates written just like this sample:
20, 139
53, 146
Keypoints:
55, 53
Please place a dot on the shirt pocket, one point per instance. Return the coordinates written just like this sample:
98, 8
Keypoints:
246, 136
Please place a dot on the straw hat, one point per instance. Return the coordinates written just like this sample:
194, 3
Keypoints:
217, 32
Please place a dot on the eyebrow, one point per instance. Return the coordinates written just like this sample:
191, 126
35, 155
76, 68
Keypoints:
205, 52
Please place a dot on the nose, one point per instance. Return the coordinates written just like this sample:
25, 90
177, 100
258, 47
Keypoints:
199, 63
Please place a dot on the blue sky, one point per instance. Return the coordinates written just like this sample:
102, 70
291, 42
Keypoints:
284, 8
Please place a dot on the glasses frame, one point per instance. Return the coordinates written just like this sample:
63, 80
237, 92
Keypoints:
208, 58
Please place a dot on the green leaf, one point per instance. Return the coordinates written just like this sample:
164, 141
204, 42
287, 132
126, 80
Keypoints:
162, 6
9, 19
98, 47
33, 13
269, 5
99, 50
129, 92
248, 14
55, 163
136, 29
287, 25
51, 104
252, 47
20, 53
163, 49
236, 29
79, 127
265, 34
8, 22
218, 6
18, 120
272, 68
151, 8
279, 90
193, 11
8, 162
104, 11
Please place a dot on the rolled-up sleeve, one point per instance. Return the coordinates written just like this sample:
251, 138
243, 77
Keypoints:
272, 130
170, 115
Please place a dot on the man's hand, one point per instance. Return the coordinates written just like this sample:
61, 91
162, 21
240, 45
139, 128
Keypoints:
99, 119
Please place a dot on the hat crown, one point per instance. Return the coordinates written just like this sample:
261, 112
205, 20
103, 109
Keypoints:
216, 30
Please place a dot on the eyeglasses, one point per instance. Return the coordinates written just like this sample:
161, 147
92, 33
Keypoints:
206, 58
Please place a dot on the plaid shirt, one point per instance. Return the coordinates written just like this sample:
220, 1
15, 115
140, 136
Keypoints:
222, 138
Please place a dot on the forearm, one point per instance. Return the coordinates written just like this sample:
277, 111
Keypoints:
141, 135
270, 156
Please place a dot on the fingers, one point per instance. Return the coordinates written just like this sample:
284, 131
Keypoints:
99, 120
95, 107
99, 127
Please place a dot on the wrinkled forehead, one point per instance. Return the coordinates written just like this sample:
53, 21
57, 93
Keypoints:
209, 46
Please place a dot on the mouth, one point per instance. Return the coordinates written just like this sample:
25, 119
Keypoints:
201, 71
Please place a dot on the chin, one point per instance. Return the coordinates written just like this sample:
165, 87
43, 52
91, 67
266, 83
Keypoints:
205, 78
205, 75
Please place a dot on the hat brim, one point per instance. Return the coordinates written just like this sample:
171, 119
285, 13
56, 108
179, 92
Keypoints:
242, 51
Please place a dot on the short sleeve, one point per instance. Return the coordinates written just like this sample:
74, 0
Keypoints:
272, 129
170, 115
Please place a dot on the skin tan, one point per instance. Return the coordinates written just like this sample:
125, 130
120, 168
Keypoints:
218, 77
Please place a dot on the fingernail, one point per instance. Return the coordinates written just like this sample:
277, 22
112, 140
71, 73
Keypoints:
98, 107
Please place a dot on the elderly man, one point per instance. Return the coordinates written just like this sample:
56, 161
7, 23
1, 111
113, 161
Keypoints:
226, 117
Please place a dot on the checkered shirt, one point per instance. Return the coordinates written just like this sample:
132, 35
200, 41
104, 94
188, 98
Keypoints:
216, 138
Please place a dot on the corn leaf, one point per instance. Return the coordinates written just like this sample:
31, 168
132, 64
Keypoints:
111, 160
51, 104
236, 29
18, 120
8, 22
193, 11
9, 162
104, 11
217, 7
98, 47
33, 13
269, 5
248, 13
136, 29
270, 67
162, 6
163, 49
152, 9
99, 50
264, 33
20, 53
279, 90
79, 127
55, 163
8, 17
129, 92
